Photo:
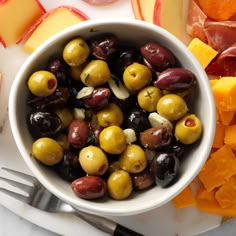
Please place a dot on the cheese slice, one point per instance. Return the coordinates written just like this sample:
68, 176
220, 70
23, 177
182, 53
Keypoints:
53, 22
16, 16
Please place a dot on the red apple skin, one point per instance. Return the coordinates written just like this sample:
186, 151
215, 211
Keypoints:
157, 12
137, 9
40, 6
76, 11
3, 42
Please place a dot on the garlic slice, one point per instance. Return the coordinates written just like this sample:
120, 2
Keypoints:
85, 92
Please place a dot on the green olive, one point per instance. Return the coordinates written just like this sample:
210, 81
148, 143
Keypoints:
42, 83
65, 116
133, 159
136, 76
95, 73
75, 52
75, 72
148, 98
110, 115
47, 151
172, 107
188, 129
119, 185
93, 160
112, 140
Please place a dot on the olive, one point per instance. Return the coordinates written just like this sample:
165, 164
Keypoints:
148, 98
119, 185
98, 99
94, 133
95, 73
172, 107
133, 159
75, 72
59, 69
89, 187
137, 120
165, 168
143, 180
43, 123
62, 139
175, 79
93, 160
75, 52
65, 116
42, 83
110, 115
176, 148
158, 56
47, 151
104, 47
126, 56
112, 140
188, 129
136, 76
55, 101
69, 168
78, 133
156, 137
113, 166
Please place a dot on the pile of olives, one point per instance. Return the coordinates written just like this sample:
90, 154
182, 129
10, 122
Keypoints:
112, 118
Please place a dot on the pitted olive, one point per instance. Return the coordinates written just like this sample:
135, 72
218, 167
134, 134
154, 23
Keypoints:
136, 76
42, 83
75, 52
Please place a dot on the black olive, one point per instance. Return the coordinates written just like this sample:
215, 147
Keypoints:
137, 120
43, 124
165, 168
69, 168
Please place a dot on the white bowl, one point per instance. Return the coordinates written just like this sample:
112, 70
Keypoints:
139, 33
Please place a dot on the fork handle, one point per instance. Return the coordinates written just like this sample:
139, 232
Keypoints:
107, 225
123, 231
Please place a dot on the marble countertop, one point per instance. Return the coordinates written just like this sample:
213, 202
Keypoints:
15, 225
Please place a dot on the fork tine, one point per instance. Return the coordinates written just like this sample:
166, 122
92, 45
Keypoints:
22, 175
15, 195
24, 187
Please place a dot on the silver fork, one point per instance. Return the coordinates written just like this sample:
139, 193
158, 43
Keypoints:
40, 198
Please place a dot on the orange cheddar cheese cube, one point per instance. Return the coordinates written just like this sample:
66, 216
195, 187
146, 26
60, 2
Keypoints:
203, 52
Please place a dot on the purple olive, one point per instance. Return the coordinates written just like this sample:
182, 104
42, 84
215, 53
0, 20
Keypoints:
158, 56
104, 47
89, 187
165, 168
98, 99
55, 101
156, 137
175, 79
78, 133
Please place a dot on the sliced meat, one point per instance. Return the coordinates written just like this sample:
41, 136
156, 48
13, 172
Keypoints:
195, 21
220, 35
224, 64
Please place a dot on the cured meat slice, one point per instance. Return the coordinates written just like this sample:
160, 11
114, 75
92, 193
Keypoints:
220, 35
224, 64
195, 21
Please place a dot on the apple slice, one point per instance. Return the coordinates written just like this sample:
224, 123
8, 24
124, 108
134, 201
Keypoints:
16, 17
170, 15
49, 24
143, 9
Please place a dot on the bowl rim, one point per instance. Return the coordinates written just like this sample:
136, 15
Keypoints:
86, 206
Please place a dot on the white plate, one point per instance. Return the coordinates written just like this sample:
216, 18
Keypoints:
166, 219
